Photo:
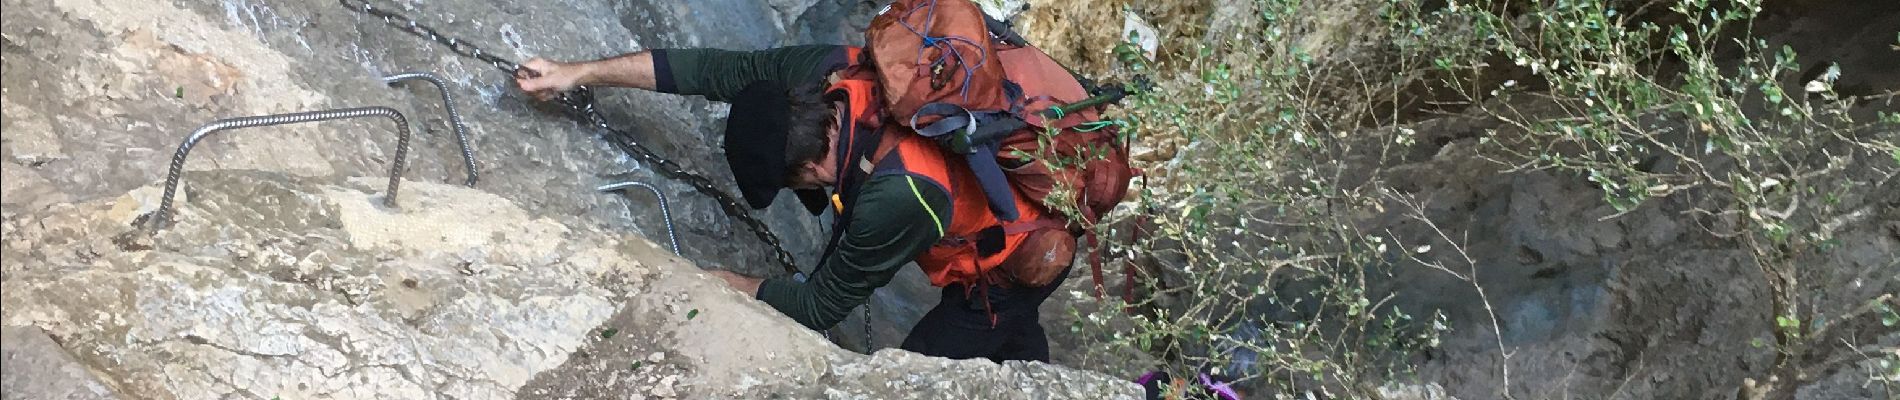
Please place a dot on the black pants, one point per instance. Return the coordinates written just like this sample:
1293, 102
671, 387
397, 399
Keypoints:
960, 327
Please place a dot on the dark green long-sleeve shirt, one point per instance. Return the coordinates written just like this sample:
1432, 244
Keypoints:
896, 217
721, 74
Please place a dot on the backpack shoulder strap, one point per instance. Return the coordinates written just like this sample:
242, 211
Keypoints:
859, 143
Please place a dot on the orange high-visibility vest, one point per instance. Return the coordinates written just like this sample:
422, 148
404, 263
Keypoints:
899, 151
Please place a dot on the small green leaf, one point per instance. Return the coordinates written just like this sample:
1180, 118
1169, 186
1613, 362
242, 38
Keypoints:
608, 333
637, 364
690, 314
1787, 322
180, 93
1757, 343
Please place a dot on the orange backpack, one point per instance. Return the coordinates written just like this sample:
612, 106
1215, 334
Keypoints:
1018, 118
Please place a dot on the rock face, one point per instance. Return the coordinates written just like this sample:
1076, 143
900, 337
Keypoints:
267, 287
284, 276
56, 375
1647, 304
98, 98
271, 285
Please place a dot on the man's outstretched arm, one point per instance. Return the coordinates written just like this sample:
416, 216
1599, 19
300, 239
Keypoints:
716, 74
543, 79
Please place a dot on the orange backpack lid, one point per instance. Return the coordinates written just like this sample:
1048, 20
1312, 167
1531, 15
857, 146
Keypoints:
934, 51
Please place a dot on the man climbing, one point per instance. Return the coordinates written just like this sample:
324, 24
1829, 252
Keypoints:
798, 122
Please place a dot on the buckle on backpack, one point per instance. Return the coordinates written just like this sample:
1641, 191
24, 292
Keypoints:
938, 79
957, 143
954, 132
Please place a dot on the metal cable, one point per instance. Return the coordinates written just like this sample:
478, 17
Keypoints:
163, 216
580, 104
455, 118
664, 213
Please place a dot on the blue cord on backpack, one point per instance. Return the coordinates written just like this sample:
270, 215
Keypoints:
946, 46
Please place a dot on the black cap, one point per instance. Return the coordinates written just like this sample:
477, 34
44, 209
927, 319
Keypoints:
755, 145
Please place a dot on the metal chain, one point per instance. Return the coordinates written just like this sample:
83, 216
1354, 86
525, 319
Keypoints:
406, 24
869, 345
580, 103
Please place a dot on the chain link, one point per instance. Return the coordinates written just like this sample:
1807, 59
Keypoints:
580, 104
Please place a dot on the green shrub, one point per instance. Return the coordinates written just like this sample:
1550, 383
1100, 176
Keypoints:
1261, 208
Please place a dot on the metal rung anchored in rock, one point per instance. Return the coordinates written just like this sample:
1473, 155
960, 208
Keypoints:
163, 217
455, 118
664, 213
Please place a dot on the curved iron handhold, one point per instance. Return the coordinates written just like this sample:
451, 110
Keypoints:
664, 213
163, 216
455, 118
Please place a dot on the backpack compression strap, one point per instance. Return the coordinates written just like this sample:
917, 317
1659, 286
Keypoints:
977, 136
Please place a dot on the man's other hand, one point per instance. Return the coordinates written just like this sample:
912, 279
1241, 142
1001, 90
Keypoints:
745, 284
544, 79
